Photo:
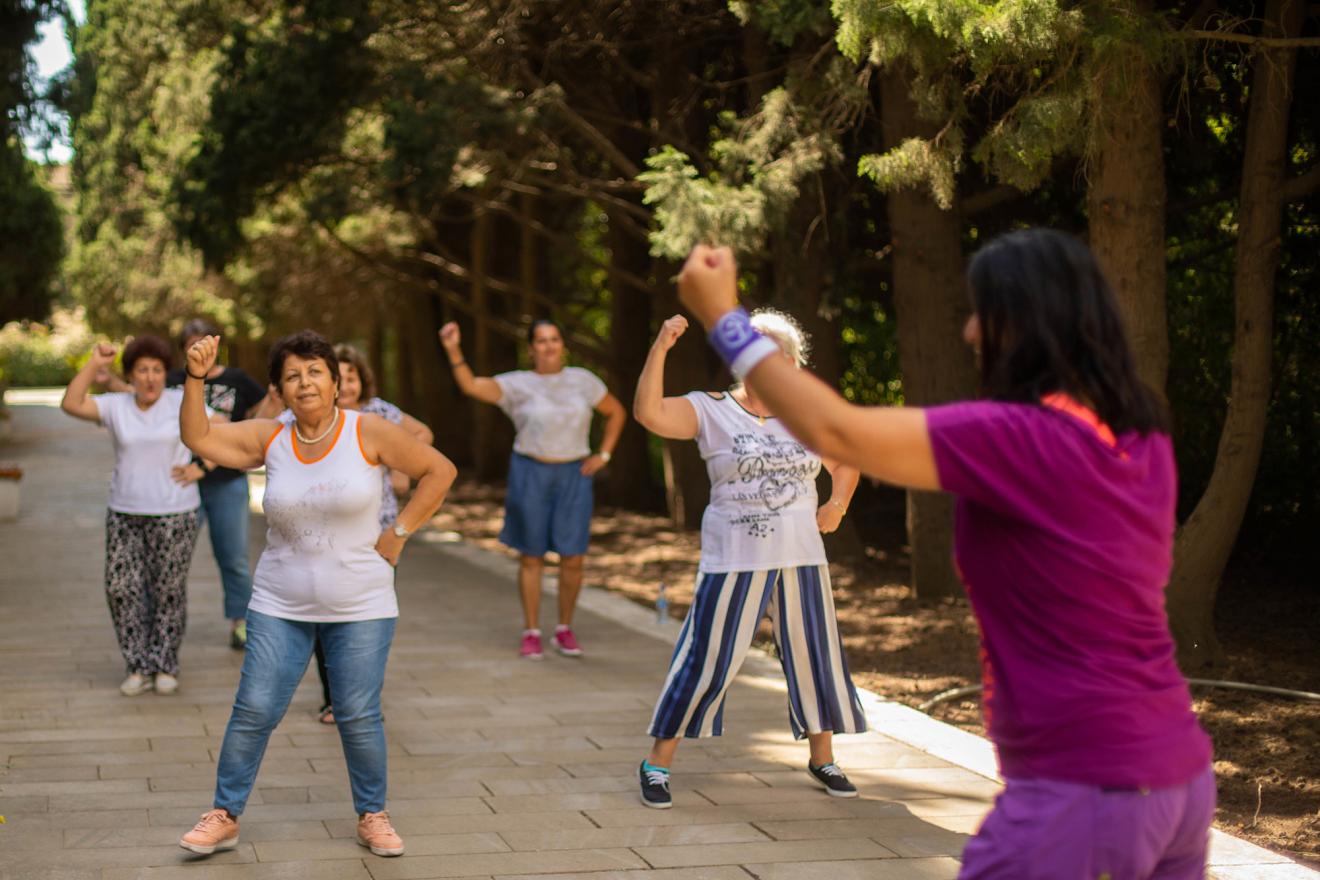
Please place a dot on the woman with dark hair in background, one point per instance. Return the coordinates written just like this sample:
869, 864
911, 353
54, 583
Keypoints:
151, 520
327, 572
548, 504
1065, 480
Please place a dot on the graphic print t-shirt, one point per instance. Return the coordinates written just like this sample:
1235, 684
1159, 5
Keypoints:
232, 394
762, 511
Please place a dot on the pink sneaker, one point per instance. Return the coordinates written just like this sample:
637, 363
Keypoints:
566, 643
215, 830
375, 832
531, 645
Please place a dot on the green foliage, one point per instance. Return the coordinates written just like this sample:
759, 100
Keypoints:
917, 162
1014, 82
18, 28
137, 101
33, 354
757, 174
31, 238
31, 232
785, 21
869, 349
277, 108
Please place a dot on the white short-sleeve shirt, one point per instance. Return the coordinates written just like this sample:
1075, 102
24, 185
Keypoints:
762, 511
551, 412
147, 447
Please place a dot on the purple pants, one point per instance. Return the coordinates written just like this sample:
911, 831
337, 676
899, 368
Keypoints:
1051, 830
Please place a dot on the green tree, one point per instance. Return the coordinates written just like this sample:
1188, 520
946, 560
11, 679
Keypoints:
31, 229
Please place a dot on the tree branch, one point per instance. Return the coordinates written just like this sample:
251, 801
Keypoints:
1267, 42
986, 199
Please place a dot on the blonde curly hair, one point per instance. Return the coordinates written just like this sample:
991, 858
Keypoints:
785, 331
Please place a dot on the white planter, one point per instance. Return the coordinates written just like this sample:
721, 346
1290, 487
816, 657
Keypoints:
8, 499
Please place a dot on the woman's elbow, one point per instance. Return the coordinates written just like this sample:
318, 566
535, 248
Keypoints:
444, 471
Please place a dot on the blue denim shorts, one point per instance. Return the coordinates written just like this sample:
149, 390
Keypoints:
548, 507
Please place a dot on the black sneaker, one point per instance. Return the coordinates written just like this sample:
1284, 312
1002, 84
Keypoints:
830, 776
655, 788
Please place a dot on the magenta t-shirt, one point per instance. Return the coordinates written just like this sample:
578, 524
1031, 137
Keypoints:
1064, 539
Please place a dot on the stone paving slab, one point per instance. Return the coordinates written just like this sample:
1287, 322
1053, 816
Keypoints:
499, 768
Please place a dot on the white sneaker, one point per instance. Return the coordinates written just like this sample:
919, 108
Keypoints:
137, 684
166, 683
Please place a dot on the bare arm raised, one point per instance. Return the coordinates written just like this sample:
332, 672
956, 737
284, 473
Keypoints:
482, 388
76, 401
671, 417
888, 443
238, 445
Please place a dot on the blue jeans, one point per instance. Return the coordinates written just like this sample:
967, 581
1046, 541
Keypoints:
276, 658
225, 510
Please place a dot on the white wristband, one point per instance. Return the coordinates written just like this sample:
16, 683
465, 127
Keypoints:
752, 355
604, 456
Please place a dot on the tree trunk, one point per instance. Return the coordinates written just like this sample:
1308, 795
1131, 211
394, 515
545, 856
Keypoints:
530, 254
487, 463
629, 482
1126, 200
406, 399
426, 368
1206, 540
691, 364
930, 308
802, 258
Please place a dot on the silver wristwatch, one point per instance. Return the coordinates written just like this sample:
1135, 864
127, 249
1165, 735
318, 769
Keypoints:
400, 531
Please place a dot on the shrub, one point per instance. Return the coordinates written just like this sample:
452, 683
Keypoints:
34, 354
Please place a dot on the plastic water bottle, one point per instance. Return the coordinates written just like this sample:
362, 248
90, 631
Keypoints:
661, 606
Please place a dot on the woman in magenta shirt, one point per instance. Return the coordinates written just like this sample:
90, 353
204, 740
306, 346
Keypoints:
1066, 485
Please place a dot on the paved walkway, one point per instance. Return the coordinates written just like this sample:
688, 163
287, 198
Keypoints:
499, 768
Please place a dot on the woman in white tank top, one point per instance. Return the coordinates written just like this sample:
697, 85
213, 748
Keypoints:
761, 552
327, 572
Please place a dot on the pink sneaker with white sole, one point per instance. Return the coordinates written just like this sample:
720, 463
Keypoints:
531, 645
566, 643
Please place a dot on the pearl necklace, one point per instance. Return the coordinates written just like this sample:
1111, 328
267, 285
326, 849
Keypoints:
312, 441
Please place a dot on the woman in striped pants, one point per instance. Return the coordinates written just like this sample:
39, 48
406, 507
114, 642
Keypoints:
761, 552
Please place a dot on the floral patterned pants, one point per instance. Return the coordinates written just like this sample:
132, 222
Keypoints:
146, 586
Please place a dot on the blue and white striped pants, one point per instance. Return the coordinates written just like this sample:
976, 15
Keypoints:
718, 632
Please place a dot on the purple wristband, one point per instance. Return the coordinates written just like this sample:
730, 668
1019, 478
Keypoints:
738, 343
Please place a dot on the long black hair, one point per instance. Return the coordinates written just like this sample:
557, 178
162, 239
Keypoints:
1050, 323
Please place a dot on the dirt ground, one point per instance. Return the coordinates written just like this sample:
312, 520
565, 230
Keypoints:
1267, 749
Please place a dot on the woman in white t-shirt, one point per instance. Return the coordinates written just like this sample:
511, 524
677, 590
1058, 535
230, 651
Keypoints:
761, 551
549, 499
151, 519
